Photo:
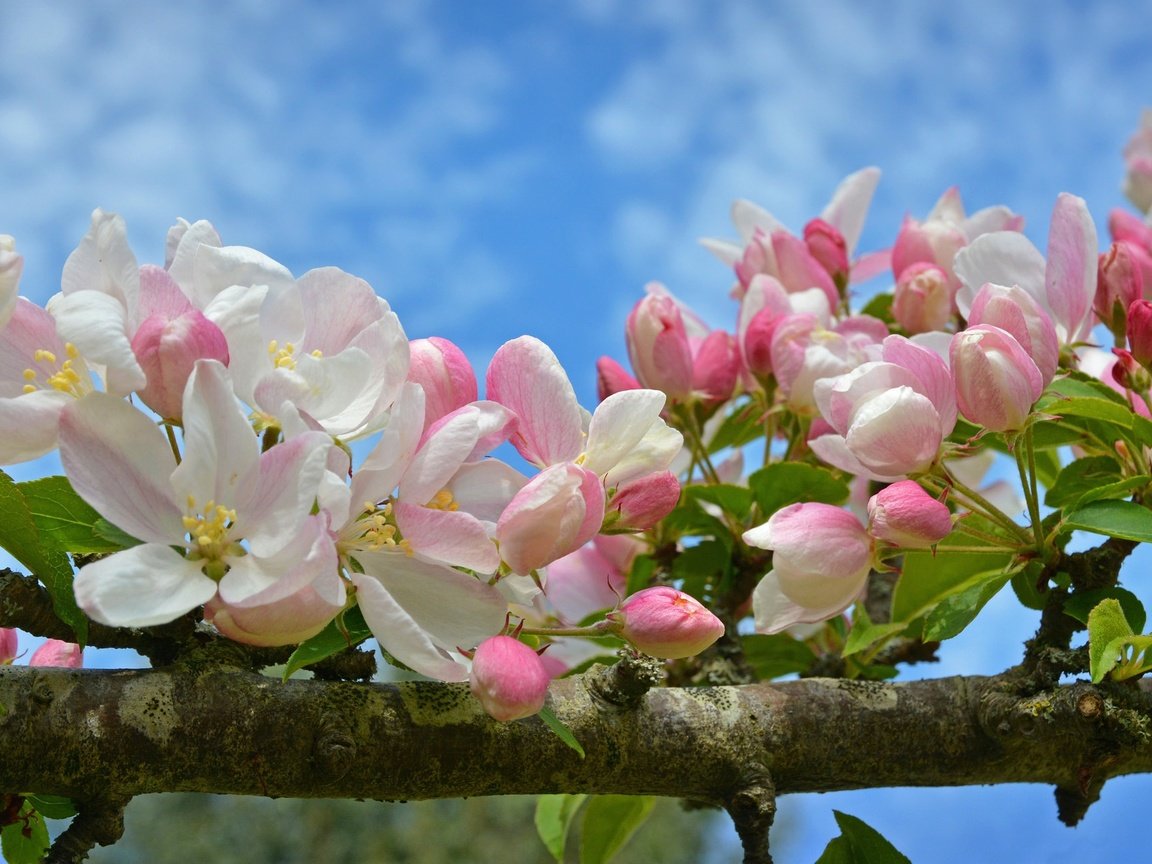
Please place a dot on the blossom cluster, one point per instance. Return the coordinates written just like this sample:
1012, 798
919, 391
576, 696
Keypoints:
205, 408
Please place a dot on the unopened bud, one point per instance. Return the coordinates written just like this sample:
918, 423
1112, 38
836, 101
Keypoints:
667, 623
904, 515
508, 678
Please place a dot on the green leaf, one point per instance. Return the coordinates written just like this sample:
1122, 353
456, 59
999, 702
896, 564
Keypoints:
46, 561
930, 577
609, 822
1108, 630
1090, 407
120, 539
954, 613
1123, 519
784, 483
1075, 384
561, 731
344, 631
859, 843
696, 564
554, 815
880, 306
742, 426
640, 574
53, 806
736, 500
63, 517
20, 849
776, 655
865, 634
1081, 604
1082, 476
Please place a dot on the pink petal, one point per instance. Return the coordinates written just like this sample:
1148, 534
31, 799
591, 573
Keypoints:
1070, 279
456, 538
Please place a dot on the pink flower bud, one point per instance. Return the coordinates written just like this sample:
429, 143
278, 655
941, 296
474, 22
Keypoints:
1015, 311
289, 621
667, 623
444, 372
821, 555
904, 515
716, 367
643, 502
922, 300
167, 349
658, 346
827, 246
611, 378
57, 653
1128, 373
508, 678
1136, 234
556, 512
997, 382
8, 645
934, 241
1140, 331
1119, 283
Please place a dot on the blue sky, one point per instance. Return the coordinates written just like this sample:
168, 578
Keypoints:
503, 168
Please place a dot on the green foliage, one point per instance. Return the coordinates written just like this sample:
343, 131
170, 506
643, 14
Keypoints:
776, 655
859, 843
26, 840
554, 815
1124, 519
609, 823
345, 630
561, 731
64, 518
784, 483
47, 561
1113, 646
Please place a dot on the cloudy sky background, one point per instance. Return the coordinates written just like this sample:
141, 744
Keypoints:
503, 168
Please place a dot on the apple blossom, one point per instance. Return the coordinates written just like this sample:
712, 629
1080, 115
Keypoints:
1014, 310
666, 623
1136, 236
827, 245
444, 372
922, 299
1139, 331
820, 563
889, 417
1119, 283
904, 515
227, 519
55, 652
997, 381
641, 503
508, 678
611, 378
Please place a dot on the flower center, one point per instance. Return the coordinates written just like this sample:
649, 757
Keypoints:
443, 500
379, 531
284, 357
59, 376
208, 529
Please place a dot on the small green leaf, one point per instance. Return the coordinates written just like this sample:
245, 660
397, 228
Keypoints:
561, 731
1082, 476
1079, 605
736, 500
609, 823
640, 574
880, 306
109, 532
53, 806
1090, 407
864, 634
344, 631
47, 561
1107, 631
776, 655
21, 849
784, 483
1123, 519
63, 517
554, 815
955, 613
859, 843
742, 426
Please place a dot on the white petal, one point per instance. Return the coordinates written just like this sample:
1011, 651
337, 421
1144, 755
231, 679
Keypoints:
142, 586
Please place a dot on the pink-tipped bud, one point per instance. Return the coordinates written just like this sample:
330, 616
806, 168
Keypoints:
716, 367
997, 382
1128, 373
667, 623
508, 678
904, 515
556, 512
167, 349
658, 347
922, 300
611, 378
1014, 310
1119, 283
57, 653
826, 244
1140, 331
444, 372
8, 645
643, 502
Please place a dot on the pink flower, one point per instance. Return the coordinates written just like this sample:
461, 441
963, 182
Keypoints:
557, 512
288, 621
890, 416
508, 678
643, 502
820, 563
444, 372
827, 245
922, 299
8, 645
55, 652
1119, 283
611, 378
997, 381
1136, 235
1015, 311
1139, 328
904, 515
667, 623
